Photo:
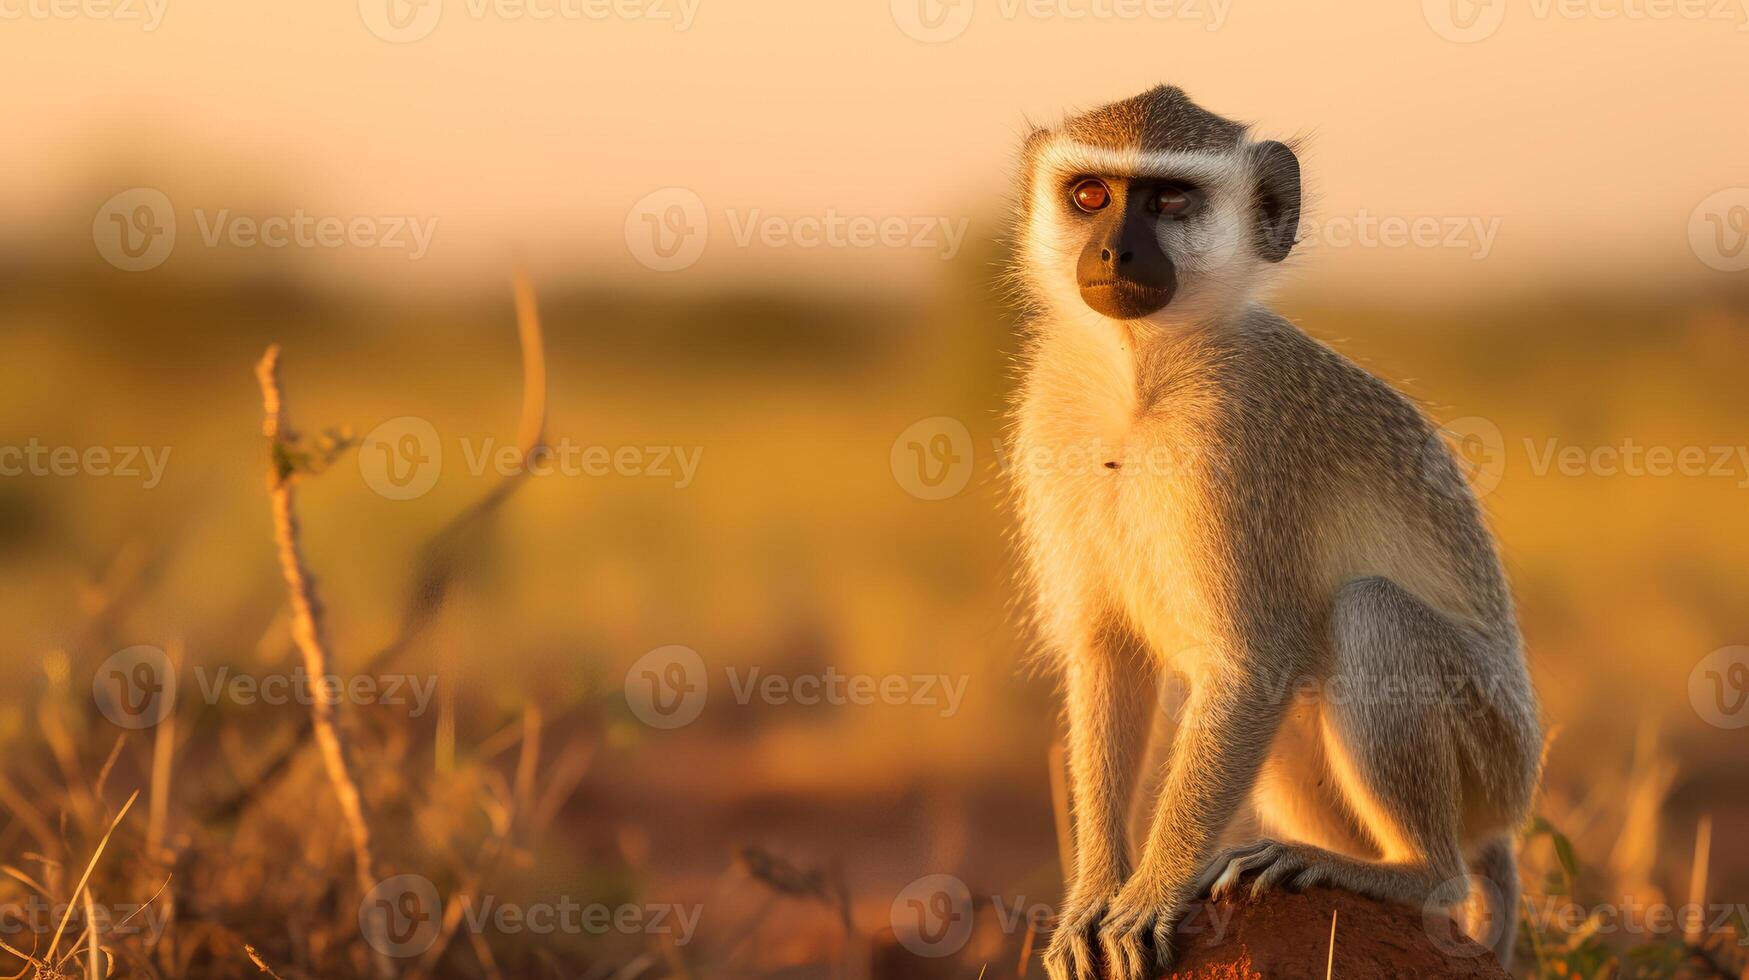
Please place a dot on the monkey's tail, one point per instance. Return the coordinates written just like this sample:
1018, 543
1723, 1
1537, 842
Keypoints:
1494, 915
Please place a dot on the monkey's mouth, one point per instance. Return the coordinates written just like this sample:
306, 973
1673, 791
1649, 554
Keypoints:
1124, 299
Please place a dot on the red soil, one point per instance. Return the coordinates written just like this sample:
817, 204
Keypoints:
1286, 936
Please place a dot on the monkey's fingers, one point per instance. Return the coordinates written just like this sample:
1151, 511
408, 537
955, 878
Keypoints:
1070, 955
1129, 940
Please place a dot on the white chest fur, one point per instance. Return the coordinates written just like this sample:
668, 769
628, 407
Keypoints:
1111, 490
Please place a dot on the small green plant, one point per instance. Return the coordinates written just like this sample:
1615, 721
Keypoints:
1555, 947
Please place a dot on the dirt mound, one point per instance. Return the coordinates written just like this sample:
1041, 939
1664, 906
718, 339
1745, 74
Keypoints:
1286, 936
1278, 936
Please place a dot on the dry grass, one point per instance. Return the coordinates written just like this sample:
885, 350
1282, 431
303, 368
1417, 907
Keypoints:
257, 881
237, 848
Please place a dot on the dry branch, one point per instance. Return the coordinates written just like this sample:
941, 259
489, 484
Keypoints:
308, 624
441, 555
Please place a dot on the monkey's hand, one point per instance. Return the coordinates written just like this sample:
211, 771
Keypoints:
1070, 955
1136, 936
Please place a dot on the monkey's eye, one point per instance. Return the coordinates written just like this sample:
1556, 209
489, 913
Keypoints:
1173, 202
1091, 195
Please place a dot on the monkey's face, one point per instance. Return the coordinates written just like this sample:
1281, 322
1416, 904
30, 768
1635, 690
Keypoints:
1134, 235
1124, 271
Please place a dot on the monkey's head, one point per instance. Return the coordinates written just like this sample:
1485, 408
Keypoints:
1152, 207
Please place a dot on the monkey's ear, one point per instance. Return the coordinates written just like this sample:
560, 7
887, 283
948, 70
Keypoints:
1276, 200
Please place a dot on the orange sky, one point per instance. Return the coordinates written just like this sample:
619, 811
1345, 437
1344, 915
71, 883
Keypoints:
1574, 137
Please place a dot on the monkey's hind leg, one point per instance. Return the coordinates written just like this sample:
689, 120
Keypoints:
1393, 746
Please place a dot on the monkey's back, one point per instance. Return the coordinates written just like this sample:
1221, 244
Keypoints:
1357, 468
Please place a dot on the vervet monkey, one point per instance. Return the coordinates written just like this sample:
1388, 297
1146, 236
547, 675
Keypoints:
1205, 489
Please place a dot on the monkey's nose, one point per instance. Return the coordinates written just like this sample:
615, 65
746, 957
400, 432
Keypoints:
1105, 256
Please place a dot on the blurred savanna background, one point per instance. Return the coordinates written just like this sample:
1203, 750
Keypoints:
729, 678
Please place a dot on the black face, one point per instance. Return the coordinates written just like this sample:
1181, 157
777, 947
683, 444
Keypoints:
1123, 272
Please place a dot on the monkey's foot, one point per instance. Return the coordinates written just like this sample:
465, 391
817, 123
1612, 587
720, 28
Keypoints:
1296, 867
1136, 936
1070, 955
1291, 866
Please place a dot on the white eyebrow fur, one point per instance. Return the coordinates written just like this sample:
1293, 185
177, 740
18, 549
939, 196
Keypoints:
1068, 158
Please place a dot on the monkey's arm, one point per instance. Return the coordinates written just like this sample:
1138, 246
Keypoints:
1109, 690
1110, 693
1215, 759
1220, 747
